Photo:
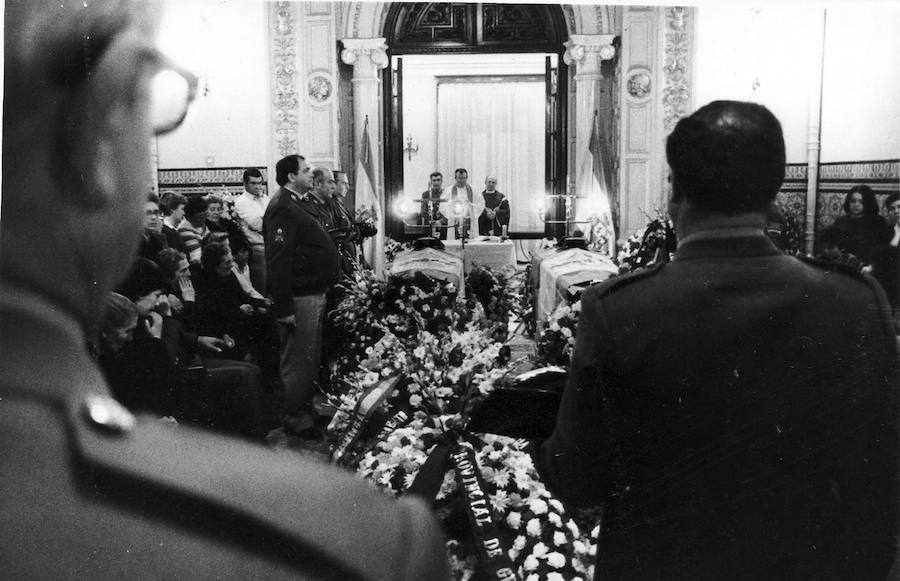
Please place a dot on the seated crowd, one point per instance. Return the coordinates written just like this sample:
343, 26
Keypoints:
868, 238
187, 336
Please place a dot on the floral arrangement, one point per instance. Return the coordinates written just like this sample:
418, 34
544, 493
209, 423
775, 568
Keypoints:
557, 338
367, 214
366, 220
498, 293
392, 248
431, 357
371, 308
655, 244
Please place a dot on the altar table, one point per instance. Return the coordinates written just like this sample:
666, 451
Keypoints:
490, 253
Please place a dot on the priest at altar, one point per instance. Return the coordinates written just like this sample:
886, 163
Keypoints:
461, 190
496, 209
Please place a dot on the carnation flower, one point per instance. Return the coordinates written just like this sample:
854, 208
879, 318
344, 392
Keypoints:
519, 543
531, 563
538, 506
553, 576
559, 538
533, 527
514, 520
415, 400
539, 550
556, 560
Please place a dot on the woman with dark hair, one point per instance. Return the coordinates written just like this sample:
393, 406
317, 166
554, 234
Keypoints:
140, 373
208, 387
224, 308
861, 229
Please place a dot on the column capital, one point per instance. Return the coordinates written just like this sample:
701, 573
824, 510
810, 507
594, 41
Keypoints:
589, 50
372, 49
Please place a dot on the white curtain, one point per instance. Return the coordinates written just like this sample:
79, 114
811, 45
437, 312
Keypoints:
496, 128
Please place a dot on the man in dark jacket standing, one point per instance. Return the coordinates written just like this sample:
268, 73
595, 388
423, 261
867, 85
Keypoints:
736, 409
302, 263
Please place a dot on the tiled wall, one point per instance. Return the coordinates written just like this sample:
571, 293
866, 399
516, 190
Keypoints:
883, 176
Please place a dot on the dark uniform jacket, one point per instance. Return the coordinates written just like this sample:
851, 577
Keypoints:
87, 494
301, 258
737, 411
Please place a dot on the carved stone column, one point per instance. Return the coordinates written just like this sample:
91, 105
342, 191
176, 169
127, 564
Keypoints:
586, 52
368, 56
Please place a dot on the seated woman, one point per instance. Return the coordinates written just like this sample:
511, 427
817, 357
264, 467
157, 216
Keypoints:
219, 224
225, 308
179, 287
211, 389
140, 373
860, 230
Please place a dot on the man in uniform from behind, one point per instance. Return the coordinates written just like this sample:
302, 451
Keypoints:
88, 491
735, 410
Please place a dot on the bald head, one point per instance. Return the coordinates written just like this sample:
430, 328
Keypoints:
728, 157
323, 182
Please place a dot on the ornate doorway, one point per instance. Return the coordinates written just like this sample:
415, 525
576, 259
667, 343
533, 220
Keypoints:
472, 29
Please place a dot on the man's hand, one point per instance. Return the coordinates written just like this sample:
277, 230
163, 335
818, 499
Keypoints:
246, 309
489, 213
154, 325
289, 323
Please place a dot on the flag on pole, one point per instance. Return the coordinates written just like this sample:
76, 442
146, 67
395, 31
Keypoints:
368, 201
600, 190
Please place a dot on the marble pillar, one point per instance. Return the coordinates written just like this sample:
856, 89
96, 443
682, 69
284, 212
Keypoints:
368, 56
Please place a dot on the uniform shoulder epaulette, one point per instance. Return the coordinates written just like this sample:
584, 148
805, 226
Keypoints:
623, 280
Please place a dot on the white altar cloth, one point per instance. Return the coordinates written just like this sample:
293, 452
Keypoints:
489, 252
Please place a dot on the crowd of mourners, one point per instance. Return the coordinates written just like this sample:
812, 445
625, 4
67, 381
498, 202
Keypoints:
868, 238
189, 335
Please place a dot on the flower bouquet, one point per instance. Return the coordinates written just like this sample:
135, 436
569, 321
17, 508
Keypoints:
557, 338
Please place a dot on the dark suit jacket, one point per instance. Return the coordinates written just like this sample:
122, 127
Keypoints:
301, 258
87, 497
737, 412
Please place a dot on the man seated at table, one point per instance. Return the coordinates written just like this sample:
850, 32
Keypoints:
430, 212
496, 209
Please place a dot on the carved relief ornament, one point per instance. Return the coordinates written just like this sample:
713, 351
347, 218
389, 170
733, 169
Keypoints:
283, 55
589, 50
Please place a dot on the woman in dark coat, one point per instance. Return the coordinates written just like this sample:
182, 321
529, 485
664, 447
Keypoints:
861, 230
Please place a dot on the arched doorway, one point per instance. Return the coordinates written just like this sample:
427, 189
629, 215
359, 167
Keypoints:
476, 29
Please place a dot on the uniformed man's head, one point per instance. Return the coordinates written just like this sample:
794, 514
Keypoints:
728, 158
323, 182
293, 171
342, 184
80, 107
490, 183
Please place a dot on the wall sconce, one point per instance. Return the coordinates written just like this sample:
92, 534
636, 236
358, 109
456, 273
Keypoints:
409, 150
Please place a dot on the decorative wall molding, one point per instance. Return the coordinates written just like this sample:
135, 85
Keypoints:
679, 28
284, 66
